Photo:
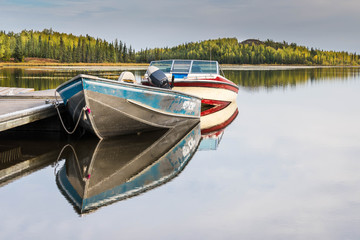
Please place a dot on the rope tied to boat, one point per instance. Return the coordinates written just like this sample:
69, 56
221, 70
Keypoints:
84, 109
77, 122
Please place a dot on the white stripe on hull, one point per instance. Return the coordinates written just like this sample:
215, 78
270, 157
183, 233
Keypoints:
219, 94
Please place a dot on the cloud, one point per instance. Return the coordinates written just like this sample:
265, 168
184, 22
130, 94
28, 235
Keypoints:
325, 24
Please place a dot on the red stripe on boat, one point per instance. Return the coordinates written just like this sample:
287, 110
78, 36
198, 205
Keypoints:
218, 79
212, 84
221, 125
218, 105
222, 79
218, 82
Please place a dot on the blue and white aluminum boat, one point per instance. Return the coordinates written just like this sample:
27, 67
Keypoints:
110, 108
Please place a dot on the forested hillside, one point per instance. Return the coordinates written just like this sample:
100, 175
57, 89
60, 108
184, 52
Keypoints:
68, 48
229, 50
63, 47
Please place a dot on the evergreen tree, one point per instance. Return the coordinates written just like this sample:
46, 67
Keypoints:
18, 52
62, 54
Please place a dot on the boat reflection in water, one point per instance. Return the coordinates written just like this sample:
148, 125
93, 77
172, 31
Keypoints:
213, 123
100, 172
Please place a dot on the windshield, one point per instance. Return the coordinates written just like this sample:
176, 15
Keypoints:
164, 66
183, 66
204, 67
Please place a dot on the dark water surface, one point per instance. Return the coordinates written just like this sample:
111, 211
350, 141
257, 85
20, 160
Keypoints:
286, 168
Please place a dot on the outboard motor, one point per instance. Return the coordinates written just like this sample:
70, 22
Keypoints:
158, 78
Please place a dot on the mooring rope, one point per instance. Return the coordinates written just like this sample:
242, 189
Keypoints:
77, 123
57, 104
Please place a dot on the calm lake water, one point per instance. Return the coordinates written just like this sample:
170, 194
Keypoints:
287, 167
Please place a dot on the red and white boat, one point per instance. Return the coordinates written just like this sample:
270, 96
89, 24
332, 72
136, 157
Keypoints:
200, 78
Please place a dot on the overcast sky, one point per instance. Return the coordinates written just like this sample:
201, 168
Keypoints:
323, 24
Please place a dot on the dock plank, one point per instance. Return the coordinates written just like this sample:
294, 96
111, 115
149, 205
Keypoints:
13, 90
16, 113
23, 108
8, 106
43, 94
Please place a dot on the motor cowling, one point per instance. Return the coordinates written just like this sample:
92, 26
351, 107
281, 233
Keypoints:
158, 78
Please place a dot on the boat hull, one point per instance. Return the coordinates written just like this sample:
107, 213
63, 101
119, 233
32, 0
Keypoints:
210, 88
113, 108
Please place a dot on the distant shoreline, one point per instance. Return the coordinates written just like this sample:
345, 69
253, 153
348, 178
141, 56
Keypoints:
57, 64
278, 67
143, 66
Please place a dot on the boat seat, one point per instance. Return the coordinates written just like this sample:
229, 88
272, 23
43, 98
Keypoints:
127, 77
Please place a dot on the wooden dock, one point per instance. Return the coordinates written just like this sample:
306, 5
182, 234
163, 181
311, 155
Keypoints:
22, 106
31, 111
